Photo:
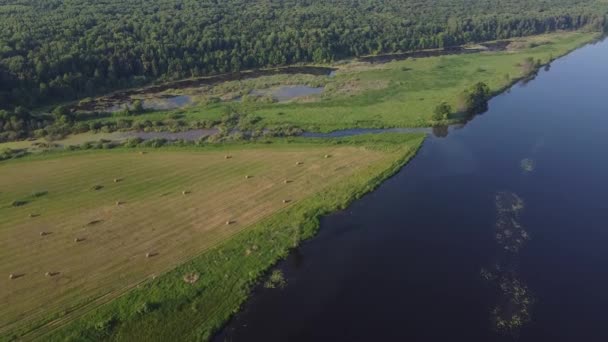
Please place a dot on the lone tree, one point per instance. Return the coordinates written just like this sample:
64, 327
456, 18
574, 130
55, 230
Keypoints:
442, 111
475, 99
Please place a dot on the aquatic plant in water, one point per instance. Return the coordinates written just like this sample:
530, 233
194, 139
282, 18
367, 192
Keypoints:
276, 280
514, 299
527, 165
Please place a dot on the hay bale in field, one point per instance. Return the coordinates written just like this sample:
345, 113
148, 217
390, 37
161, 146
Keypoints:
12, 276
286, 201
299, 163
116, 180
247, 176
44, 233
79, 239
227, 156
229, 222
32, 215
118, 203
185, 192
48, 274
94, 222
142, 152
151, 254
191, 278
286, 181
327, 156
97, 187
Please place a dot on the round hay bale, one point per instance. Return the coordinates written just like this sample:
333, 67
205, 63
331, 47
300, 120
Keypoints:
148, 255
43, 233
285, 201
227, 156
118, 203
12, 276
229, 222
247, 176
191, 278
142, 152
116, 180
48, 274
286, 181
78, 240
185, 192
327, 156
299, 163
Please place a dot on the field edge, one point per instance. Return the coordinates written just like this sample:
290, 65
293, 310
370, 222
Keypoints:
271, 239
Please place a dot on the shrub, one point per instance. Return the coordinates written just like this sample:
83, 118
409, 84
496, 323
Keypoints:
475, 99
442, 111
133, 142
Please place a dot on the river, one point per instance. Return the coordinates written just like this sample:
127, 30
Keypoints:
497, 231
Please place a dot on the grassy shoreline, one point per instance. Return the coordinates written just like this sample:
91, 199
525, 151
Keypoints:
227, 271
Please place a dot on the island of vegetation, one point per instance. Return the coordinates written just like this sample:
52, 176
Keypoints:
113, 230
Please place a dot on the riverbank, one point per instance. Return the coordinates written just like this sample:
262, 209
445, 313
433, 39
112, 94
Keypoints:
397, 93
239, 260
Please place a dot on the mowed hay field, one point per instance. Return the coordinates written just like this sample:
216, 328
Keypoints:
132, 219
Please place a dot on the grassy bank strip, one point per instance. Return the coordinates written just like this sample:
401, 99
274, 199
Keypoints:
169, 307
405, 93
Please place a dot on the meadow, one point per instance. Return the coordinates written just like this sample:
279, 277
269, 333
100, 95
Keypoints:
169, 232
400, 93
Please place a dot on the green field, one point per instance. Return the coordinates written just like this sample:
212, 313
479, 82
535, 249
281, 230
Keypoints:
224, 213
395, 94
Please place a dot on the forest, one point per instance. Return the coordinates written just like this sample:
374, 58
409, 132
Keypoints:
58, 50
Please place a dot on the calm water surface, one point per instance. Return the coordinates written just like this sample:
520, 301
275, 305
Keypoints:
503, 219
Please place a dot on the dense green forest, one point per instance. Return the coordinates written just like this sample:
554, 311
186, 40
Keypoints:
56, 50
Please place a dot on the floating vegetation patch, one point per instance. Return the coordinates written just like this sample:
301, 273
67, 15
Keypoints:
276, 280
527, 165
510, 234
509, 316
513, 298
508, 202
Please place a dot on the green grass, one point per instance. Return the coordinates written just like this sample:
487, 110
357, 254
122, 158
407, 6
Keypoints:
395, 94
127, 301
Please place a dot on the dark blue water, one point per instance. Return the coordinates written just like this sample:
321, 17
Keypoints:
496, 232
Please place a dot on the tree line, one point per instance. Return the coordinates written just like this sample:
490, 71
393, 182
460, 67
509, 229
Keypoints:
58, 50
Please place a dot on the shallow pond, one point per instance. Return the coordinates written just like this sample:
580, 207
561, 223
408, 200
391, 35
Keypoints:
494, 232
118, 100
